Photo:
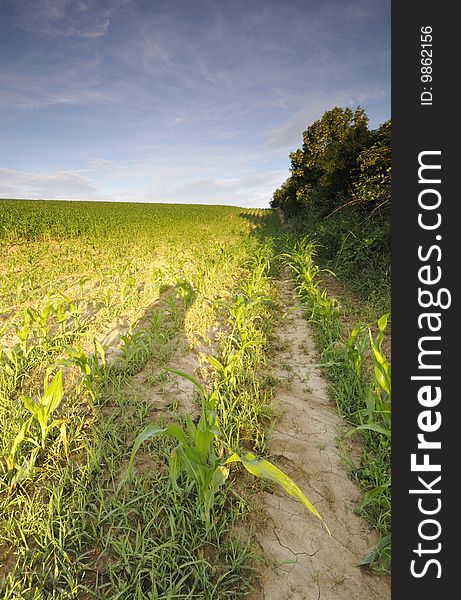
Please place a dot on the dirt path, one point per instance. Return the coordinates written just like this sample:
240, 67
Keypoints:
304, 563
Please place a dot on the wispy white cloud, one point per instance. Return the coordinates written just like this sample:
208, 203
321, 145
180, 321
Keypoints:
289, 133
100, 163
76, 81
251, 190
26, 99
69, 18
63, 185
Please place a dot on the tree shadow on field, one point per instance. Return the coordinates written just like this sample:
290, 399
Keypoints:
144, 351
266, 224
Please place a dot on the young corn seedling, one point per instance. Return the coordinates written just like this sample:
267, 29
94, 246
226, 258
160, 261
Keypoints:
378, 394
356, 348
40, 319
185, 291
92, 366
196, 455
41, 411
11, 368
23, 331
135, 348
64, 312
229, 368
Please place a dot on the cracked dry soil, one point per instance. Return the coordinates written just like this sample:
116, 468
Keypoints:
303, 561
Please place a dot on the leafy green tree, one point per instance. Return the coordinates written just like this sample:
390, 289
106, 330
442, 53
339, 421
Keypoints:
325, 167
341, 162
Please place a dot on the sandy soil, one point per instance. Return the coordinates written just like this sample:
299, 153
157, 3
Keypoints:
176, 394
303, 561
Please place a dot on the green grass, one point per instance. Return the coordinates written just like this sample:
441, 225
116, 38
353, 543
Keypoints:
356, 247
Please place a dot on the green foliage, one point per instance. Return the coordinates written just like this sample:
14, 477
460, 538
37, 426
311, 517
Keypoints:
324, 168
378, 400
372, 187
244, 403
329, 154
339, 192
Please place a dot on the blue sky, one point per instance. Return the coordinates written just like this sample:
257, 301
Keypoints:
180, 100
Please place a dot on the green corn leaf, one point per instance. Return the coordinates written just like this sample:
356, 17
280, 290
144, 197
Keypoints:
220, 474
371, 427
31, 406
214, 362
192, 454
264, 468
378, 354
203, 441
26, 468
43, 422
382, 379
153, 430
33, 442
74, 353
53, 395
10, 356
382, 322
102, 353
17, 441
190, 460
191, 428
55, 423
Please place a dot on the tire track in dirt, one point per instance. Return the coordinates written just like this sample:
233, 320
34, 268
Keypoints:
303, 562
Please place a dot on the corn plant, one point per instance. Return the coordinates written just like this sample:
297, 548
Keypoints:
37, 332
233, 360
379, 394
185, 290
11, 369
107, 298
64, 311
377, 411
324, 309
41, 414
23, 331
135, 348
92, 366
40, 319
196, 455
356, 348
